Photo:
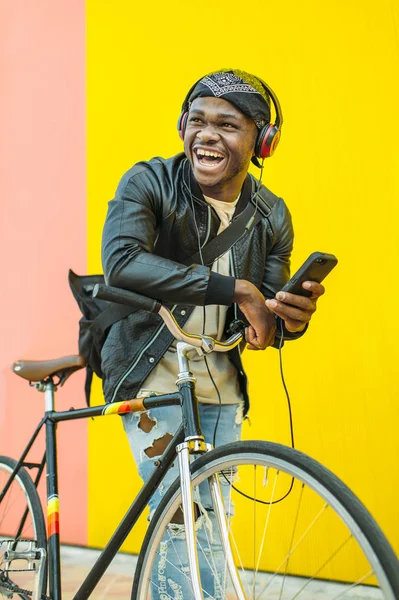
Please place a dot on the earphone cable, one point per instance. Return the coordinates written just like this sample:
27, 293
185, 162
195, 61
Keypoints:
280, 346
204, 319
280, 358
255, 197
195, 223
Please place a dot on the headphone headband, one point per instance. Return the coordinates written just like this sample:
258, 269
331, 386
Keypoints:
276, 103
266, 87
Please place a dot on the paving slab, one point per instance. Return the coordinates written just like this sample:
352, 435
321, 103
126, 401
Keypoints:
117, 581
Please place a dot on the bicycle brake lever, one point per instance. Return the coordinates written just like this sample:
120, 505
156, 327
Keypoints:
207, 344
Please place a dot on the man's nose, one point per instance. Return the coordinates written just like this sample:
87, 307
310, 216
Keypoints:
208, 133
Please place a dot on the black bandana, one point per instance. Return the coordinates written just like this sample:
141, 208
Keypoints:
237, 91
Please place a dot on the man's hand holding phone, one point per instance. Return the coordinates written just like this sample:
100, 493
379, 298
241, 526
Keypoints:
296, 310
296, 302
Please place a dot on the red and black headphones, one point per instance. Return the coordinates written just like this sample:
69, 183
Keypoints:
268, 136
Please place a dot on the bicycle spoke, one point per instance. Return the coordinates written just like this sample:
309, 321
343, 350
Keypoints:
229, 512
292, 540
21, 518
164, 593
167, 561
220, 584
5, 506
267, 522
255, 528
241, 566
322, 566
181, 570
355, 584
171, 539
212, 570
295, 547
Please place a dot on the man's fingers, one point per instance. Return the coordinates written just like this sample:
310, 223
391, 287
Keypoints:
294, 309
252, 339
316, 288
294, 326
302, 302
285, 311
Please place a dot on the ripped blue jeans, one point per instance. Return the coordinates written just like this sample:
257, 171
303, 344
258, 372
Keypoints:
170, 573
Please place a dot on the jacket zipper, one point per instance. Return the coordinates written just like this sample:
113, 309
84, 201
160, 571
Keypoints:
209, 227
134, 364
234, 273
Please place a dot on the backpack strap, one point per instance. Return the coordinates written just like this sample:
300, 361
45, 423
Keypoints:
88, 381
220, 244
112, 314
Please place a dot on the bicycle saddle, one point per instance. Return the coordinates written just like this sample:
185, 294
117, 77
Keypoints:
38, 370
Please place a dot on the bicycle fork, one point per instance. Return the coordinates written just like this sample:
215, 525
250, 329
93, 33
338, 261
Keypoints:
194, 444
183, 451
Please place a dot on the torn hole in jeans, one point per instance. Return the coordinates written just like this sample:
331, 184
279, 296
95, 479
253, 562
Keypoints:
178, 530
239, 414
146, 422
158, 446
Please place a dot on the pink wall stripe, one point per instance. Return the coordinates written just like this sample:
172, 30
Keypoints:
43, 223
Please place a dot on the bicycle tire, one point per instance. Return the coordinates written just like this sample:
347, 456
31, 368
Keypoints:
21, 495
319, 484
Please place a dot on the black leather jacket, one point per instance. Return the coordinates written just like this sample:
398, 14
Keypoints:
149, 232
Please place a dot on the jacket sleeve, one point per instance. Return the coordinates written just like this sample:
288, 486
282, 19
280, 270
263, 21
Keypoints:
278, 260
129, 236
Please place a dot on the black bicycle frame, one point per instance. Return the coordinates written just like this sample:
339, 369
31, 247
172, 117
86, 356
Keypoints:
190, 427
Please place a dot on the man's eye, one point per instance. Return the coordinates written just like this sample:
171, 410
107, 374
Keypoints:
195, 120
229, 125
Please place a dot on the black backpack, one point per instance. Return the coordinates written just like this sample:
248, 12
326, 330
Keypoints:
98, 316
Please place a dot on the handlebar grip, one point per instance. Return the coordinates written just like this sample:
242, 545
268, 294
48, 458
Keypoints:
121, 296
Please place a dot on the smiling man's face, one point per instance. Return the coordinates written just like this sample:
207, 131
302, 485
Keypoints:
219, 143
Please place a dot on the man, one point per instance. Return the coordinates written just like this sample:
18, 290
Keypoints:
163, 213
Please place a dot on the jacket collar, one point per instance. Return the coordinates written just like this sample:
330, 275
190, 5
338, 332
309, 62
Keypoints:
196, 192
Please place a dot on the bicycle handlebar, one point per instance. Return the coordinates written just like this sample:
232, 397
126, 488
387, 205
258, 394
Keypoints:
126, 297
121, 296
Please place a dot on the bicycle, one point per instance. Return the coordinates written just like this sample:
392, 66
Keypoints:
267, 483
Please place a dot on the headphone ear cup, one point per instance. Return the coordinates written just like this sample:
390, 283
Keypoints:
181, 124
267, 140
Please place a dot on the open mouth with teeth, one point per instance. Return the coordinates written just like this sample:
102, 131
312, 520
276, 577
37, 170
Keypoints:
209, 158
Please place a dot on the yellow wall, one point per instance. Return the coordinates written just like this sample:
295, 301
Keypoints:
334, 66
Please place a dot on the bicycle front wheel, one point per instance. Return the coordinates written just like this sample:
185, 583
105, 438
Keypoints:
22, 530
283, 545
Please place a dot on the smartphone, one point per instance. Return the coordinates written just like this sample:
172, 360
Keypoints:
315, 268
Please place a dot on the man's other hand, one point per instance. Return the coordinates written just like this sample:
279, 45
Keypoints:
296, 311
262, 323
